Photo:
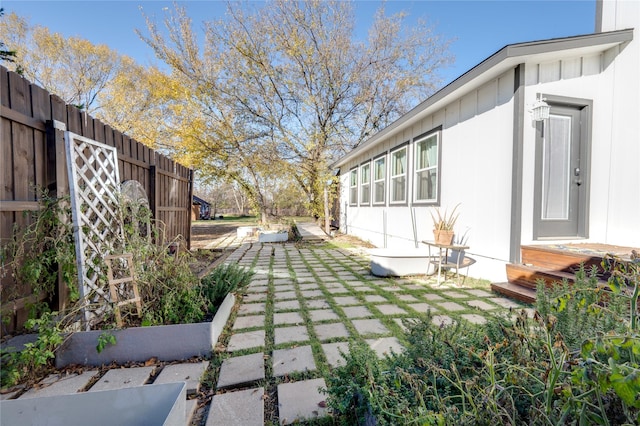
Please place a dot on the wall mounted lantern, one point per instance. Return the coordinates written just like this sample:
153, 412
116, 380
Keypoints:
540, 109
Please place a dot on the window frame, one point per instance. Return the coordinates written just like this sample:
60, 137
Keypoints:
353, 186
392, 177
437, 132
382, 157
362, 184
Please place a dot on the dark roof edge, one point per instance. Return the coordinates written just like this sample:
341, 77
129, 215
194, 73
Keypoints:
509, 51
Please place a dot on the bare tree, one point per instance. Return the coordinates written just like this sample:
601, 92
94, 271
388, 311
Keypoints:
286, 86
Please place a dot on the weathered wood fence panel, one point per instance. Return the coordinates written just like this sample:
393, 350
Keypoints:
32, 155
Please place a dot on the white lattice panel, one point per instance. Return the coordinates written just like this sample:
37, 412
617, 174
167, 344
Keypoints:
93, 181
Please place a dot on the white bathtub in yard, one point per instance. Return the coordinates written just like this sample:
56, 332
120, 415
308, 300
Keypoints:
398, 262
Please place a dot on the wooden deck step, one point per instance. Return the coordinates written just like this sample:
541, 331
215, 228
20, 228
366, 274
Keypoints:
514, 291
528, 276
558, 260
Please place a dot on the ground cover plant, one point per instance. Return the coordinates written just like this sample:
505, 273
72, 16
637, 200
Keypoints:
574, 362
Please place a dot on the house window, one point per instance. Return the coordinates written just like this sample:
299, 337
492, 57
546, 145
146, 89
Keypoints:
379, 180
426, 168
353, 187
365, 183
399, 175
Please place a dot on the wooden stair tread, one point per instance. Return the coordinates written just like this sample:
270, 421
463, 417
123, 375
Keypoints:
528, 275
515, 291
556, 259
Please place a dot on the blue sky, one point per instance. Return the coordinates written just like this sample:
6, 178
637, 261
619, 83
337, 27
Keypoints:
479, 28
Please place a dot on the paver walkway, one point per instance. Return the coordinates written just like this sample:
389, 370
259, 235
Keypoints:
297, 317
294, 322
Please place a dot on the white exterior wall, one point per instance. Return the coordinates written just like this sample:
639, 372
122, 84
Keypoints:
475, 172
611, 81
618, 203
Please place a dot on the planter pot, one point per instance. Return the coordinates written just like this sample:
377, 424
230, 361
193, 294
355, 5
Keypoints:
443, 237
164, 342
163, 404
273, 237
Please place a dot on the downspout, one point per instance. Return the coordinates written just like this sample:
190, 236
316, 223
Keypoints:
517, 162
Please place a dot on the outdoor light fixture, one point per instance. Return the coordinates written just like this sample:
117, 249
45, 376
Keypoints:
540, 109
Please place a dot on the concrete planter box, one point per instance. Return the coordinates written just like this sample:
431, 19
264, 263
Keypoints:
246, 231
163, 404
387, 262
165, 342
273, 236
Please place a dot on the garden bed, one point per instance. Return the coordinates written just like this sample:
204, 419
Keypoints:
138, 344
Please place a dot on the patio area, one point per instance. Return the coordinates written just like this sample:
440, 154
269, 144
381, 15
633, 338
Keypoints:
299, 313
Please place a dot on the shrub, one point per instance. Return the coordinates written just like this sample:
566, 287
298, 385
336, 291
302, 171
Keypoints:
224, 279
575, 362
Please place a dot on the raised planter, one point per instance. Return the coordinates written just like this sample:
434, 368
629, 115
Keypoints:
163, 404
273, 236
387, 262
164, 342
246, 231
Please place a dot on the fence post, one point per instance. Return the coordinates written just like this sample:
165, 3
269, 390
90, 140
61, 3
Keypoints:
189, 204
153, 188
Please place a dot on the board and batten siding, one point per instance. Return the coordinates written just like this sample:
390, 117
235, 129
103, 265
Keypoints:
475, 172
615, 151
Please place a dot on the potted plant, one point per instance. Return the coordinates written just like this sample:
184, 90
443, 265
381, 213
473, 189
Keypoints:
443, 224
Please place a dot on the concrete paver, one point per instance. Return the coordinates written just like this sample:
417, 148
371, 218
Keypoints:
241, 408
317, 304
248, 321
356, 312
290, 334
481, 304
369, 326
286, 305
450, 306
374, 298
299, 401
287, 318
251, 308
60, 385
284, 295
330, 331
241, 370
391, 309
474, 318
385, 346
318, 315
123, 378
333, 353
440, 320
286, 361
346, 300
250, 339
422, 307
191, 373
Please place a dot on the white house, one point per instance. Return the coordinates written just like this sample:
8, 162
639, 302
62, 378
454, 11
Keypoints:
573, 177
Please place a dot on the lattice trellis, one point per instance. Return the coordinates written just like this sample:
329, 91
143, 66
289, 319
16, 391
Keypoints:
98, 230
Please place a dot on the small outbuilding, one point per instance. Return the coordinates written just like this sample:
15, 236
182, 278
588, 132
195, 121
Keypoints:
200, 210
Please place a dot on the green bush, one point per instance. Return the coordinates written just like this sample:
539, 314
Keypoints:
224, 279
575, 362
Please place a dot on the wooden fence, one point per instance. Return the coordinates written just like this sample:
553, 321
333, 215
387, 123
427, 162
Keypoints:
32, 155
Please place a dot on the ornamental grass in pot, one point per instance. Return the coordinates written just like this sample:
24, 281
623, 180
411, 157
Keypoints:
443, 224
